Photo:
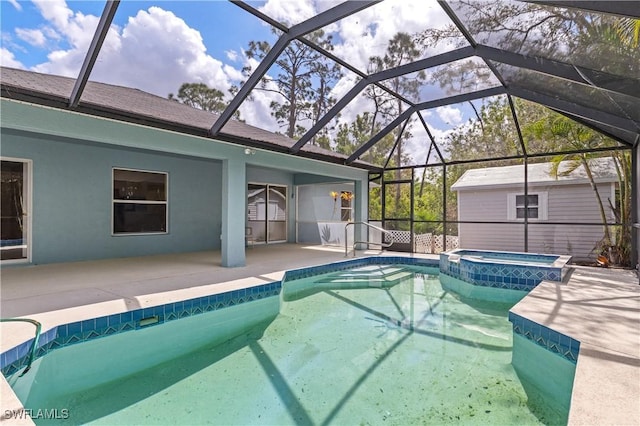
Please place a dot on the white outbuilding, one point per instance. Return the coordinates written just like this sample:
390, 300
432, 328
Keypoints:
562, 212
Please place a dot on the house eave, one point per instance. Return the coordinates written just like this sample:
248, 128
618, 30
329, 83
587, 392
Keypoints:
62, 103
538, 184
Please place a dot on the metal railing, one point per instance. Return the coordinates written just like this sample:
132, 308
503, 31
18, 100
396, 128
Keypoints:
355, 243
34, 344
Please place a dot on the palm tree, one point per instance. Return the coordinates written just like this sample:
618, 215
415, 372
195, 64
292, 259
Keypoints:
628, 30
616, 248
570, 163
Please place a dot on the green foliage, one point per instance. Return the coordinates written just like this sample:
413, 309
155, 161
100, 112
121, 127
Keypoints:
201, 96
621, 208
402, 49
351, 137
598, 41
496, 137
304, 79
563, 134
601, 42
543, 131
375, 203
628, 31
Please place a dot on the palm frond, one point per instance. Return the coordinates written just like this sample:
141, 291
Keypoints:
628, 30
556, 161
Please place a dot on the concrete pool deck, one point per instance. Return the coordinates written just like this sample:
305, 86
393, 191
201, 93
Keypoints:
598, 307
601, 309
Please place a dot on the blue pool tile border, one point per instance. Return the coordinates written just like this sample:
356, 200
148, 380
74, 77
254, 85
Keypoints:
311, 271
63, 335
555, 342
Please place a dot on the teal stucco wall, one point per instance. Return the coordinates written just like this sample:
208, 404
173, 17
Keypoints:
73, 155
72, 199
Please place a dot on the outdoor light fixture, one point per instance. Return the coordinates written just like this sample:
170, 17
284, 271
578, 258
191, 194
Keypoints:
249, 151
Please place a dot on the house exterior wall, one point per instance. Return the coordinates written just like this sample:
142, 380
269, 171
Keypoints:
565, 203
72, 199
319, 214
73, 155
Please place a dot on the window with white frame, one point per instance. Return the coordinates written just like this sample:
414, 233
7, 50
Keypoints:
346, 209
535, 207
139, 201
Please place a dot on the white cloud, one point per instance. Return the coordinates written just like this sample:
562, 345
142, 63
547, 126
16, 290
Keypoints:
368, 32
449, 115
232, 55
284, 10
7, 59
418, 144
33, 37
75, 28
440, 136
71, 31
233, 73
156, 51
56, 12
16, 4
258, 113
51, 33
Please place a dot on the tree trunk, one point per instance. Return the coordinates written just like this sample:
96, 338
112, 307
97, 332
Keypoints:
292, 108
603, 215
398, 157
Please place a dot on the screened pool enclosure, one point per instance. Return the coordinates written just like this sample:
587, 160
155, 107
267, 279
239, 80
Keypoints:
510, 125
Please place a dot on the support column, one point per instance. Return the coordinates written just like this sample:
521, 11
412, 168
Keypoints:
234, 188
361, 209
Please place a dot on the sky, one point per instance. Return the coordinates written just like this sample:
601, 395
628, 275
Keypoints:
156, 46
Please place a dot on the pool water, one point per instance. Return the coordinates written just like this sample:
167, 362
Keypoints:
394, 348
521, 258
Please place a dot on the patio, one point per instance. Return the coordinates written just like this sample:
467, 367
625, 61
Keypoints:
609, 362
88, 289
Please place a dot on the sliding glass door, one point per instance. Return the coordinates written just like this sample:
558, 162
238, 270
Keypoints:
14, 207
267, 213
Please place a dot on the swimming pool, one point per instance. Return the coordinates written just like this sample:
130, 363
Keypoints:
370, 344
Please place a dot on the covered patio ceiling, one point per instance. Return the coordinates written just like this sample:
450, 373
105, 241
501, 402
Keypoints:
562, 55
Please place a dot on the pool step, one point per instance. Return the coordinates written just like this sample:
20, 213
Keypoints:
369, 276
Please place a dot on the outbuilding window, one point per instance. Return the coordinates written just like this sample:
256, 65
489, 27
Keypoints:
535, 207
139, 202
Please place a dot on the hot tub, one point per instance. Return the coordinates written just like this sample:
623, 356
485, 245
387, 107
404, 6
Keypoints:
508, 270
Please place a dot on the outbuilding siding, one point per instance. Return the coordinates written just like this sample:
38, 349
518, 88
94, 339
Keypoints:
566, 203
